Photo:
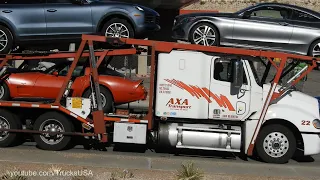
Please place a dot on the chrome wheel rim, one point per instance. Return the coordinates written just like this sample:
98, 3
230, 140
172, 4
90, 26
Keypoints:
3, 40
4, 124
51, 125
316, 50
276, 144
103, 99
204, 35
1, 91
117, 30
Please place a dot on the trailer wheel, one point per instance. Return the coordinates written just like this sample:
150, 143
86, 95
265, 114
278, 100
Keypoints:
276, 144
53, 121
9, 120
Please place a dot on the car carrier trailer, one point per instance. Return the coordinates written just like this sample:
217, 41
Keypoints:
189, 107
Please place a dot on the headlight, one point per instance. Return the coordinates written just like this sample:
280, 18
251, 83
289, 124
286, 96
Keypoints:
316, 123
139, 8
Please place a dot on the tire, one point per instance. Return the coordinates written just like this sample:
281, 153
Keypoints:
276, 154
62, 121
125, 24
314, 45
108, 106
7, 35
194, 37
4, 92
13, 122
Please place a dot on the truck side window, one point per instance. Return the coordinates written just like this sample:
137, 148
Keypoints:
223, 72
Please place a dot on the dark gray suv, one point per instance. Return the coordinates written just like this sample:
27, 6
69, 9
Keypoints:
26, 21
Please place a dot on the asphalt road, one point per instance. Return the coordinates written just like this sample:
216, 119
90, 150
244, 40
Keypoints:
307, 168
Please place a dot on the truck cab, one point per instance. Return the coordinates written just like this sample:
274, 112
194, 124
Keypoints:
212, 102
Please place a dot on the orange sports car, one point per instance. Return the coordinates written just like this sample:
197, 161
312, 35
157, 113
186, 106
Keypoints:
32, 85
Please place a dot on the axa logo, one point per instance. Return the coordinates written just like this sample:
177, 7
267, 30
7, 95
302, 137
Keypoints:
178, 103
198, 92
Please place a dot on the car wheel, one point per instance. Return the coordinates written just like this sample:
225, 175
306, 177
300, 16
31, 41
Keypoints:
6, 40
9, 120
314, 51
106, 98
118, 28
4, 92
204, 34
276, 144
53, 121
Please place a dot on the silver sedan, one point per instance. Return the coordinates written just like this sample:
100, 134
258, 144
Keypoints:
266, 26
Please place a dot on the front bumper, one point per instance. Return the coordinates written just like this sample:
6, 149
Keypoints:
179, 32
311, 144
142, 31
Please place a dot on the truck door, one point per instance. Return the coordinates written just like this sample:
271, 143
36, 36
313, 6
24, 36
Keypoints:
226, 103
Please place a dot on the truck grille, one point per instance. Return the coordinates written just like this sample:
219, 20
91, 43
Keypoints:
151, 19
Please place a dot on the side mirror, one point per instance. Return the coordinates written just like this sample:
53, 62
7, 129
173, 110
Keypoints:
55, 73
237, 73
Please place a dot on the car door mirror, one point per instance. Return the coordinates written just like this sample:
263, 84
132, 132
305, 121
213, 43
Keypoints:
237, 73
55, 73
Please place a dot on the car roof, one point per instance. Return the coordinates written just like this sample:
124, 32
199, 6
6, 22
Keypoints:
291, 6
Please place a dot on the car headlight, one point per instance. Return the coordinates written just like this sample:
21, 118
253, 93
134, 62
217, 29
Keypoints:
139, 8
316, 123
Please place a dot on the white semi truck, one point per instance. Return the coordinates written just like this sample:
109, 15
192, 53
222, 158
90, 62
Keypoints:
208, 98
205, 108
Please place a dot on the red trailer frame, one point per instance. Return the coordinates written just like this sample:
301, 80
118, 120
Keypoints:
156, 46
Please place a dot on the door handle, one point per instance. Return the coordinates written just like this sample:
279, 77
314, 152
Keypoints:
6, 11
51, 10
283, 23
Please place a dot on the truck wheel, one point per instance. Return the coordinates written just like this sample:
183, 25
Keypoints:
53, 121
276, 144
6, 40
4, 92
9, 120
106, 98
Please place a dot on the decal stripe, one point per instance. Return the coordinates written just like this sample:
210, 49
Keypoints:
201, 93
222, 101
189, 89
176, 83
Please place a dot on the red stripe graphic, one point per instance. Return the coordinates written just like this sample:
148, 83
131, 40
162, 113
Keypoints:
221, 100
